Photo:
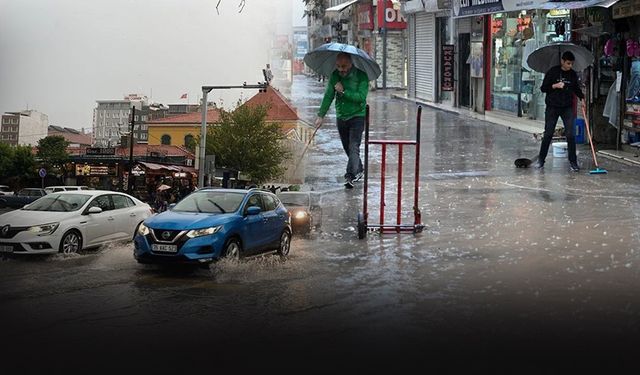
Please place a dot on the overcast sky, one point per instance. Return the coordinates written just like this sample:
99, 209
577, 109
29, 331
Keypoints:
60, 56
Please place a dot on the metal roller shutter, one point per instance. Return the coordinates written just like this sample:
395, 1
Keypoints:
411, 32
425, 55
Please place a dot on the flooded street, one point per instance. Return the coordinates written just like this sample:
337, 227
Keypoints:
532, 266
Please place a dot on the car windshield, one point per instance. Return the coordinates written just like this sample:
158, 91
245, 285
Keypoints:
59, 202
294, 199
211, 202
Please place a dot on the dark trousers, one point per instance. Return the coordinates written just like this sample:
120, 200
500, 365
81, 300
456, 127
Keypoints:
551, 115
351, 136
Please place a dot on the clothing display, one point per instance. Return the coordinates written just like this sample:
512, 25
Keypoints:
612, 105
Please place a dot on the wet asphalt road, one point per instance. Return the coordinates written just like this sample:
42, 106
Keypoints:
524, 271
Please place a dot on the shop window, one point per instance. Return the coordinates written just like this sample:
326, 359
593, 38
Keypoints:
516, 87
165, 139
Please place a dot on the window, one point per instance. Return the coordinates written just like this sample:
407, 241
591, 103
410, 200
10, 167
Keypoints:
189, 142
6, 121
103, 202
165, 139
120, 201
254, 200
269, 202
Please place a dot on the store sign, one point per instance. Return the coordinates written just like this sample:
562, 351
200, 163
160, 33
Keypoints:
464, 8
388, 17
365, 17
100, 151
137, 171
95, 170
626, 8
447, 71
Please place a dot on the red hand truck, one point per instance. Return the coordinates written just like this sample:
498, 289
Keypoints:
398, 227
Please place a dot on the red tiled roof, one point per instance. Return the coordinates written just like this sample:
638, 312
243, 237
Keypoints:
280, 109
81, 139
213, 115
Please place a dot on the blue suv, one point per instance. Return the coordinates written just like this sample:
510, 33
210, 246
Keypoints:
210, 224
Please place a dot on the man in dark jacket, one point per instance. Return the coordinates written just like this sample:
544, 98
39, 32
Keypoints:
560, 84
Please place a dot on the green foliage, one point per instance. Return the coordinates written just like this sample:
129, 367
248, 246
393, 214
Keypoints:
24, 163
316, 10
245, 142
52, 150
6, 159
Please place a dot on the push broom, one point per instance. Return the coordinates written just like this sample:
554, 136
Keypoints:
598, 170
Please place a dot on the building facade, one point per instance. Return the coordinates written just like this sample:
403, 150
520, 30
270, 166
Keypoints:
23, 128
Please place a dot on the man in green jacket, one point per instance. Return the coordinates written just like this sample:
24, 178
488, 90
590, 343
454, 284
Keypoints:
349, 86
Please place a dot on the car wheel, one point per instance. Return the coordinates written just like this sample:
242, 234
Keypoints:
285, 243
71, 242
232, 249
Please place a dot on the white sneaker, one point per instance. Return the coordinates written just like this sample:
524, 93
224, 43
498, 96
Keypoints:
358, 176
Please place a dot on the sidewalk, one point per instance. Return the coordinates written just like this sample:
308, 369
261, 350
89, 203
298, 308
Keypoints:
626, 156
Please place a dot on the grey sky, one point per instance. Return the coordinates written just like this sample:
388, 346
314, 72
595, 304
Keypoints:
60, 56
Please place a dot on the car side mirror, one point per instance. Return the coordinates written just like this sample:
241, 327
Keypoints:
94, 210
172, 205
253, 210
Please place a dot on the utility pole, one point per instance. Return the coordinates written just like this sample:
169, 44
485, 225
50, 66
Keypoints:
129, 179
203, 128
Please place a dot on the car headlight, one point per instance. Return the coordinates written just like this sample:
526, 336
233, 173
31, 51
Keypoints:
143, 230
300, 214
44, 229
203, 232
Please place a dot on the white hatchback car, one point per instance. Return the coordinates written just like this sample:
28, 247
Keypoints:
70, 221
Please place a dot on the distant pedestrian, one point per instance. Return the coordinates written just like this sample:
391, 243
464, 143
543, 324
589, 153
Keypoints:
560, 84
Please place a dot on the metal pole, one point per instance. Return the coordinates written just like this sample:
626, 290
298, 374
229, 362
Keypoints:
133, 120
203, 138
384, 43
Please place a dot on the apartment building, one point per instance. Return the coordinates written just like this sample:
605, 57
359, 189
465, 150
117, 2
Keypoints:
23, 128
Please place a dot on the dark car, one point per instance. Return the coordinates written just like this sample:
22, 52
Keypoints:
24, 196
305, 210
210, 224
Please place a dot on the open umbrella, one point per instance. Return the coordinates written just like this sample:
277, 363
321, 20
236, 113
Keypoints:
323, 59
546, 57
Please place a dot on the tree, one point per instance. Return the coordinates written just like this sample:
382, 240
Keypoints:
6, 159
316, 11
245, 142
52, 150
24, 163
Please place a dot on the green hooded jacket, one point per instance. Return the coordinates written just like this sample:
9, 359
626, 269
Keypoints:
353, 102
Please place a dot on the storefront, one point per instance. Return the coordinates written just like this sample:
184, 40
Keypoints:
390, 48
515, 87
428, 42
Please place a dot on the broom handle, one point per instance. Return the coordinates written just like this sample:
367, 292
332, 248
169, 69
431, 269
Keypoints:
586, 122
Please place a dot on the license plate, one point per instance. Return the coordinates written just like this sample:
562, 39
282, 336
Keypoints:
165, 248
6, 249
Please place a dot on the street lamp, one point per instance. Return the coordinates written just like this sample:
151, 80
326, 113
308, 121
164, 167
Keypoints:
262, 86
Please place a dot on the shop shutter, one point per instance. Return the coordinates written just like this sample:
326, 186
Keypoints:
411, 29
464, 25
425, 55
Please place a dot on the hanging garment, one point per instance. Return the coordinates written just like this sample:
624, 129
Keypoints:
634, 82
611, 106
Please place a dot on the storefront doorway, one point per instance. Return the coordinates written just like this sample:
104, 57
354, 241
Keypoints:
464, 70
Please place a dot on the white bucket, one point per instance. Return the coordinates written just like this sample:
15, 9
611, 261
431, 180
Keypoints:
559, 149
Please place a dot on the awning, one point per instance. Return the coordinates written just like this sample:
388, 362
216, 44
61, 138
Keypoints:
429, 6
340, 7
172, 168
578, 4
